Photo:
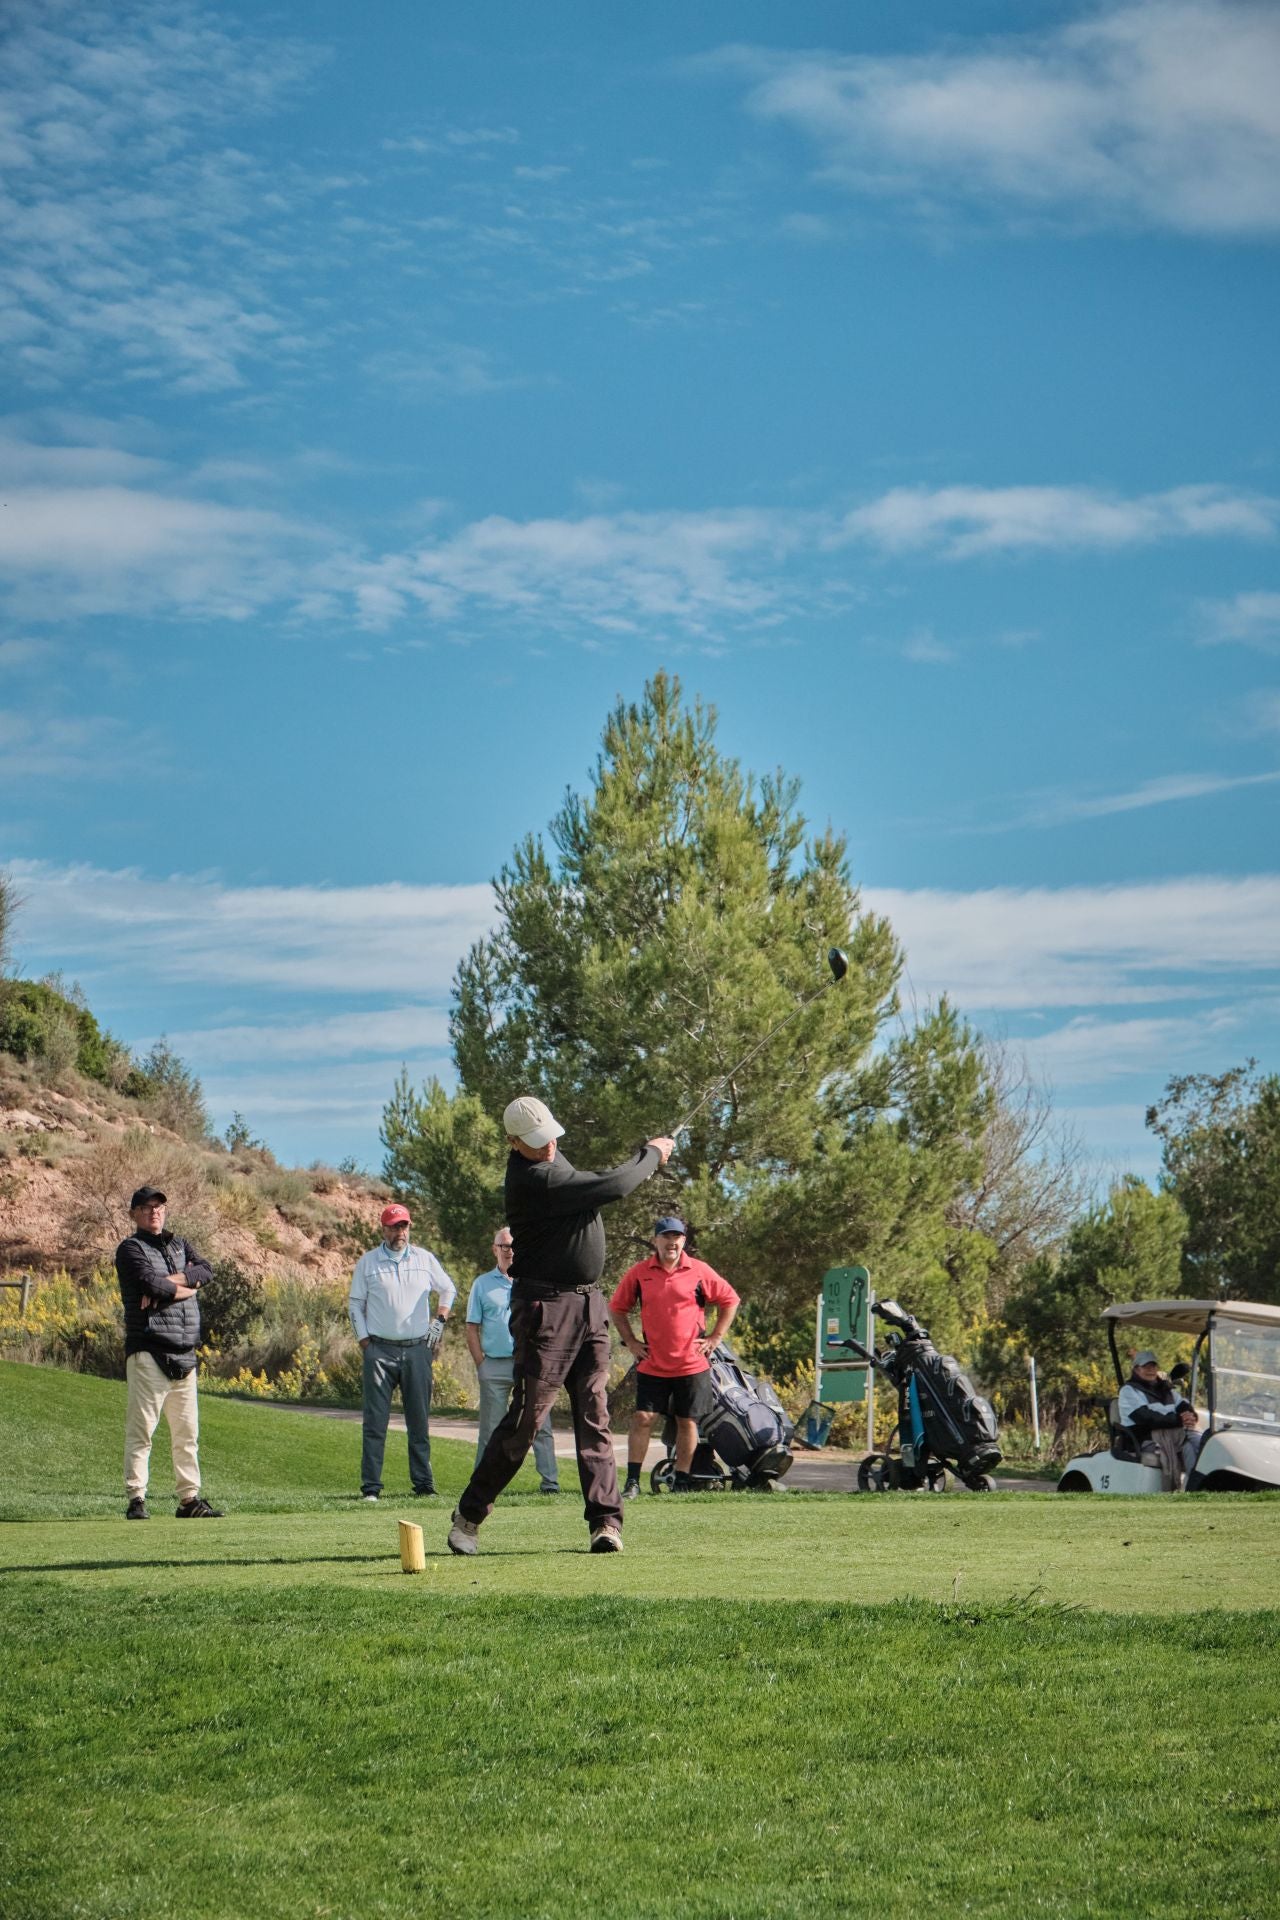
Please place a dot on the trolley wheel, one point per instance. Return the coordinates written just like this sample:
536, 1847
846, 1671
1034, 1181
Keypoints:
663, 1476
935, 1478
875, 1473
981, 1483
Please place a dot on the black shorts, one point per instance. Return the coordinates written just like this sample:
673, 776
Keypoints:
687, 1395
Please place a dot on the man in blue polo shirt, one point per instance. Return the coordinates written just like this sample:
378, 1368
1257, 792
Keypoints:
488, 1331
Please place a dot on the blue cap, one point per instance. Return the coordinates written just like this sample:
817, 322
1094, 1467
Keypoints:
670, 1224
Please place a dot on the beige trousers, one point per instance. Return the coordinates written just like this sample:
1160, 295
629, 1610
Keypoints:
151, 1393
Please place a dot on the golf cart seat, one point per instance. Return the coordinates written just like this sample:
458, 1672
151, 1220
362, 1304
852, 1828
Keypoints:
1125, 1444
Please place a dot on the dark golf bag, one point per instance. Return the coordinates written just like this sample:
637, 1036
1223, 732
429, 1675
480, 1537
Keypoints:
744, 1440
943, 1421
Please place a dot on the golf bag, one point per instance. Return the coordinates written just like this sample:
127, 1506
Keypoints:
745, 1440
943, 1421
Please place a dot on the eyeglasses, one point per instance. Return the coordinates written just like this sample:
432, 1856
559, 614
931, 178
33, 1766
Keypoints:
504, 1246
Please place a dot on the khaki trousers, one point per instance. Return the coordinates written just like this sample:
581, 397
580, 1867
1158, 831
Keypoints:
151, 1393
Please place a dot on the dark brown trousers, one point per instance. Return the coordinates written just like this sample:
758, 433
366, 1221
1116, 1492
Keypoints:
559, 1342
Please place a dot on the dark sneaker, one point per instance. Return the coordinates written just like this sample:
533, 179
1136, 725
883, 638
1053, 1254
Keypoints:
424, 1493
197, 1509
137, 1509
549, 1489
632, 1490
606, 1539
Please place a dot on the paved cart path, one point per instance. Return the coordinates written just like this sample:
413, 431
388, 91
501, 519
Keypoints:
829, 1471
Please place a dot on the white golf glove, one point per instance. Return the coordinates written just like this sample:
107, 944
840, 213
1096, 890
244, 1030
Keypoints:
435, 1334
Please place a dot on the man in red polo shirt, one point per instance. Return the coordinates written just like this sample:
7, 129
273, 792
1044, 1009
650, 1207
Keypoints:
674, 1372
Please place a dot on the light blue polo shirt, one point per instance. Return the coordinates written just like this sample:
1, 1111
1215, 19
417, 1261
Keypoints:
489, 1308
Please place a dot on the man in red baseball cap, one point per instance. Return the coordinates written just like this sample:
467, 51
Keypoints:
390, 1308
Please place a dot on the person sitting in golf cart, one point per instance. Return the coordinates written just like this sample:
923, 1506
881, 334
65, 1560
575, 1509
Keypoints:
1152, 1408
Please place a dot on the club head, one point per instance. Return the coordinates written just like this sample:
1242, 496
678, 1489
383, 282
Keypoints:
838, 963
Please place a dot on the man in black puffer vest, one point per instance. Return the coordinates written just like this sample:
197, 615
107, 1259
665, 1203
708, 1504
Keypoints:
160, 1276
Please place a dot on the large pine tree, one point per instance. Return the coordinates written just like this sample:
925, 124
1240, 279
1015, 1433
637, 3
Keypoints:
682, 909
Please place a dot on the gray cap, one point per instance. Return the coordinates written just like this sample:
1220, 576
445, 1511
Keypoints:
1146, 1358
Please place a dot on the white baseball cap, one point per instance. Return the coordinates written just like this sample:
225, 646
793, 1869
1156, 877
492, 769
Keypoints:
530, 1120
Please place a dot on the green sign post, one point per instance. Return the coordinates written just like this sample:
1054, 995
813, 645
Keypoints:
844, 1312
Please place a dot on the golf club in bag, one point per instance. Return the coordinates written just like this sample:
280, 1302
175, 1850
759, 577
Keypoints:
745, 1440
943, 1421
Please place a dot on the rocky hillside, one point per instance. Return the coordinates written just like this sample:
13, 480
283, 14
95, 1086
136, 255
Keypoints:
72, 1150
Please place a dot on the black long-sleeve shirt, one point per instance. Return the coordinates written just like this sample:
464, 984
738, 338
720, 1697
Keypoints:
553, 1212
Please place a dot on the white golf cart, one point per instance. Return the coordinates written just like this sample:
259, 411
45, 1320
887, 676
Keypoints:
1234, 1372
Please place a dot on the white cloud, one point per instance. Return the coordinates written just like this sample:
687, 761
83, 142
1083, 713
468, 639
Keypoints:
58, 746
311, 1042
964, 522
1264, 711
1007, 949
15, 654
401, 1031
92, 527
1164, 112
1088, 1051
125, 220
1253, 619
1152, 793
86, 550
610, 571
360, 941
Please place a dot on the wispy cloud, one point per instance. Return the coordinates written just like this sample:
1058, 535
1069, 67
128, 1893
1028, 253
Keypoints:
1264, 711
357, 941
1164, 112
1152, 793
92, 526
1251, 619
93, 550
58, 746
612, 572
333, 985
125, 212
399, 1032
966, 522
1010, 949
1088, 1051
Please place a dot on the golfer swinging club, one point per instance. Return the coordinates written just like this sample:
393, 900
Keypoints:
559, 1322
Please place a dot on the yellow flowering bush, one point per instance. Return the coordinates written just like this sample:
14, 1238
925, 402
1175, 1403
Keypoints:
68, 1323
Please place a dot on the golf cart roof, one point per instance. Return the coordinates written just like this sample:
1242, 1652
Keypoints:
1192, 1316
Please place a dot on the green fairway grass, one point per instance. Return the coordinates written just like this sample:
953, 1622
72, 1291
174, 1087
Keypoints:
808, 1705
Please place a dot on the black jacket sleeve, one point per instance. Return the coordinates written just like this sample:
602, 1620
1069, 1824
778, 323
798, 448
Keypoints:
1145, 1419
582, 1192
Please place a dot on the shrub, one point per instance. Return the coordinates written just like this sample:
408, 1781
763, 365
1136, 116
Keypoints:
99, 1218
55, 1030
171, 1093
229, 1304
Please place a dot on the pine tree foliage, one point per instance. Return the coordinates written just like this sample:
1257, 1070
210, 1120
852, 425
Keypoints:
680, 910
1221, 1140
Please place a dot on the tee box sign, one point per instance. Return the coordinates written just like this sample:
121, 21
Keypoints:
846, 1314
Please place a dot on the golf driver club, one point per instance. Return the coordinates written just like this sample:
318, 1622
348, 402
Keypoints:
839, 965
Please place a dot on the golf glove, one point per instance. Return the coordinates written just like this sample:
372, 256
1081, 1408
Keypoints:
435, 1334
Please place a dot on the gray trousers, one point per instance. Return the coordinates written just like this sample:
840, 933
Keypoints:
496, 1378
387, 1367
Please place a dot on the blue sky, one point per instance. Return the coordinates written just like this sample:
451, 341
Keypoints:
387, 390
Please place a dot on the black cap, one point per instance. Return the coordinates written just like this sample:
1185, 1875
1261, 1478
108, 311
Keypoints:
146, 1194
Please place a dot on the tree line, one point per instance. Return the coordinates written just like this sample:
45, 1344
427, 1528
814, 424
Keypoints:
674, 913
